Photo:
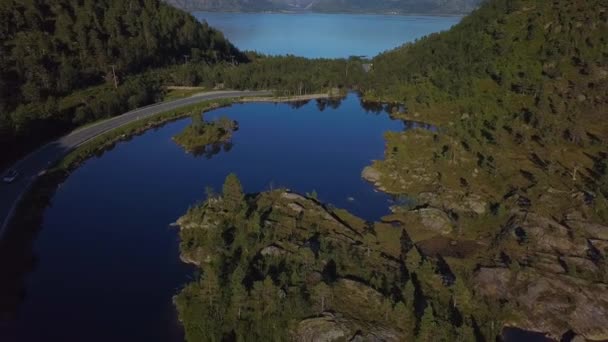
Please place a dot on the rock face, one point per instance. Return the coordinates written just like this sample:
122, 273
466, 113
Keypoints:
373, 176
557, 280
330, 328
550, 303
342, 327
322, 329
273, 251
435, 220
455, 201
370, 174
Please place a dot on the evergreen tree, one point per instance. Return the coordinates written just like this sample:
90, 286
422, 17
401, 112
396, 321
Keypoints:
409, 293
238, 293
404, 318
211, 294
462, 297
427, 330
234, 198
466, 333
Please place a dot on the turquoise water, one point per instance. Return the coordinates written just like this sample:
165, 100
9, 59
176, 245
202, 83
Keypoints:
323, 35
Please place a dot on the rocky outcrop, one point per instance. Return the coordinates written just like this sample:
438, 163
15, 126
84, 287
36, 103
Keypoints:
322, 329
592, 230
373, 176
549, 303
332, 327
272, 250
557, 280
457, 201
434, 220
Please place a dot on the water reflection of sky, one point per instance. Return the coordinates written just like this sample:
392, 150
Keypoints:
107, 260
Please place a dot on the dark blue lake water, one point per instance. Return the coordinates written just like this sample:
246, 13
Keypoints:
323, 35
108, 260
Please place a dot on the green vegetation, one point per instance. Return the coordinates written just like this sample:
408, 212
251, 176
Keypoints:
509, 214
202, 137
175, 93
277, 266
520, 101
519, 91
51, 50
286, 75
67, 63
32, 123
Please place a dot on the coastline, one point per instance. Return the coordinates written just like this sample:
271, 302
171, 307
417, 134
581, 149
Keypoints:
305, 12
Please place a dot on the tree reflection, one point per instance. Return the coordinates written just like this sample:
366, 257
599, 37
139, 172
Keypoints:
417, 124
331, 102
371, 106
298, 104
212, 150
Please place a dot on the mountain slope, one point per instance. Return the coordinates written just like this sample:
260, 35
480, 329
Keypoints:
332, 6
519, 90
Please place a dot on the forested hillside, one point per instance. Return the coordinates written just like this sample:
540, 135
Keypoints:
519, 90
49, 49
332, 6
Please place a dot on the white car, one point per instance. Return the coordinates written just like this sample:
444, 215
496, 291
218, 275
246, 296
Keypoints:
10, 176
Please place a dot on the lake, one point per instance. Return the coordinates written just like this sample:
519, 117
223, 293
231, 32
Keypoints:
323, 35
107, 259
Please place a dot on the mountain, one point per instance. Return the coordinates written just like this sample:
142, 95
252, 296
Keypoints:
332, 6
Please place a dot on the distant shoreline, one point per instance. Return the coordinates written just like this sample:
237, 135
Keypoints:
305, 12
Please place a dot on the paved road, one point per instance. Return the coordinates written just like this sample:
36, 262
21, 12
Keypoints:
30, 166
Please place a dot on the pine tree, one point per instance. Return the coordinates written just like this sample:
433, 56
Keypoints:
238, 293
409, 293
462, 297
234, 199
466, 333
211, 297
413, 259
428, 326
